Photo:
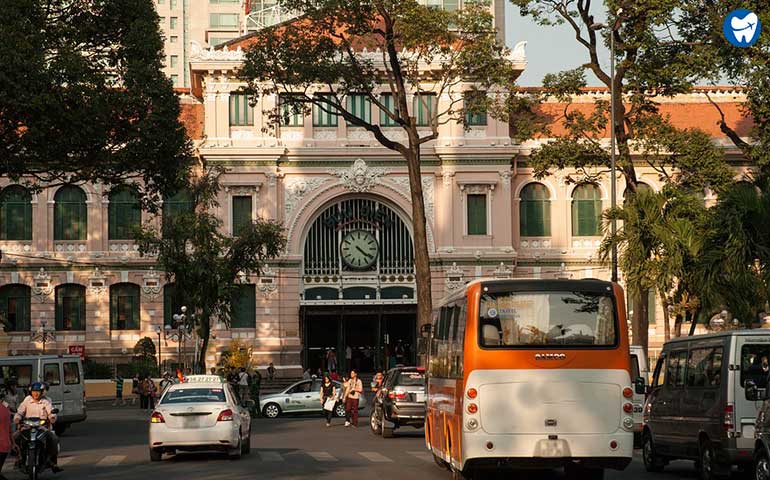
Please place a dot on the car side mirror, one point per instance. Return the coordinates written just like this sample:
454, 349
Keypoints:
55, 411
752, 392
640, 386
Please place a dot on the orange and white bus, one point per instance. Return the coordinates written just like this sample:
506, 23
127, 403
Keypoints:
530, 374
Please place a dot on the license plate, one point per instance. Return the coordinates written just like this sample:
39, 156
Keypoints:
191, 422
552, 448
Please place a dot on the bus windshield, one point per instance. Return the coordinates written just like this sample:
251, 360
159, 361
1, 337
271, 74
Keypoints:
526, 319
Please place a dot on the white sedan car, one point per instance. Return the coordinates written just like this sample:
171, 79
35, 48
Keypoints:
204, 413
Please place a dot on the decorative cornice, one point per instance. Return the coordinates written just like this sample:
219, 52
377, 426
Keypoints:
359, 177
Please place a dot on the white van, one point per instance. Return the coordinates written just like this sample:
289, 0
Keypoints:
639, 369
63, 374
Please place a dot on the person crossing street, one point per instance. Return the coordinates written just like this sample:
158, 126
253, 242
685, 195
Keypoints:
352, 394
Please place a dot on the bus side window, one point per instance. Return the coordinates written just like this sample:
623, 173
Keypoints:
659, 377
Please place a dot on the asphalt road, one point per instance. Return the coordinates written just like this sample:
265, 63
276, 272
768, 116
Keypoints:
112, 444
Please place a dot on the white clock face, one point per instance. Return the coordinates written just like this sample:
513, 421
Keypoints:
359, 249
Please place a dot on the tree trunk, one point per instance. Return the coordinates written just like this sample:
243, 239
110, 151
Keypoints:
666, 324
205, 332
421, 257
678, 321
640, 322
694, 324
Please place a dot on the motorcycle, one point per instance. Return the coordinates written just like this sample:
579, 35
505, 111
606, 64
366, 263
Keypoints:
33, 458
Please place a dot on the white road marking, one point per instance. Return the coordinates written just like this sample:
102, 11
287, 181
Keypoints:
322, 456
375, 457
111, 461
64, 461
422, 455
271, 457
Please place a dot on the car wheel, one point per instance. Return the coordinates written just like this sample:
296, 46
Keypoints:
579, 472
652, 463
235, 453
374, 422
387, 432
339, 410
246, 445
156, 455
761, 466
708, 466
271, 410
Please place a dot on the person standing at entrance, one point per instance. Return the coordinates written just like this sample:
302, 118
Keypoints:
353, 393
349, 357
328, 394
331, 360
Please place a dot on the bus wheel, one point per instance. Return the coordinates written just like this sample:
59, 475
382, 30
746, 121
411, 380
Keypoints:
467, 474
441, 463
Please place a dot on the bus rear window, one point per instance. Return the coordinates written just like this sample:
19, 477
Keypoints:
536, 319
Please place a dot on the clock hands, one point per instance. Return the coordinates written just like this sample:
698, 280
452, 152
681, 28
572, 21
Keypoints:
368, 255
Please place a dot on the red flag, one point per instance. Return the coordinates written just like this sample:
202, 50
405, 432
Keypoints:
179, 376
247, 6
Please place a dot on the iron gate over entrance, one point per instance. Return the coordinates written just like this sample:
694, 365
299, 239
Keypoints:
358, 251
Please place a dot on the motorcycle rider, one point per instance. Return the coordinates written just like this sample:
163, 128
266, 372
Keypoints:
37, 405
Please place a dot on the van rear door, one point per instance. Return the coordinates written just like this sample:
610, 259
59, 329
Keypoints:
753, 354
52, 376
72, 394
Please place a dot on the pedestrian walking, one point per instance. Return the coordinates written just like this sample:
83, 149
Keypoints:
352, 394
152, 393
271, 371
118, 391
331, 360
135, 390
166, 382
256, 384
243, 385
6, 436
143, 393
306, 374
328, 398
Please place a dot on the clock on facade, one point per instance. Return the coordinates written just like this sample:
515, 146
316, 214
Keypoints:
359, 249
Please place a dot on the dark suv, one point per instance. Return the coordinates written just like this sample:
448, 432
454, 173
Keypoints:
400, 402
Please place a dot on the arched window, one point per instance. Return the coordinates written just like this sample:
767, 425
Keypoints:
172, 304
124, 306
640, 186
70, 214
125, 213
535, 211
15, 213
180, 202
244, 307
586, 211
70, 307
15, 300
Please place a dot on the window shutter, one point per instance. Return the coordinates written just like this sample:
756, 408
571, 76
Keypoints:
168, 304
135, 308
477, 214
242, 206
244, 307
60, 307
546, 208
114, 307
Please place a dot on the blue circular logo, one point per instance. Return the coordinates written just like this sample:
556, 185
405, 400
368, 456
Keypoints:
742, 27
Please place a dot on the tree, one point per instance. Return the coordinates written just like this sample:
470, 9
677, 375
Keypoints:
84, 96
340, 48
145, 348
238, 355
205, 264
649, 65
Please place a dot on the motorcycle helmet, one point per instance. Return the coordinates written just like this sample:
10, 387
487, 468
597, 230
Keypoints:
36, 387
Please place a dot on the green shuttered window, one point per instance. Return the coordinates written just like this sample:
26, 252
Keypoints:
424, 107
125, 214
477, 214
171, 304
244, 307
360, 106
70, 307
124, 306
292, 114
324, 117
241, 213
535, 211
475, 114
179, 203
388, 101
70, 214
15, 301
241, 113
15, 213
586, 211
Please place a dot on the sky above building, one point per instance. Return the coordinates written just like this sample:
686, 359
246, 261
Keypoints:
549, 49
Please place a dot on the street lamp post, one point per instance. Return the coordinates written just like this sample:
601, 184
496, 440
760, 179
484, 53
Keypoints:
159, 331
180, 331
613, 187
43, 335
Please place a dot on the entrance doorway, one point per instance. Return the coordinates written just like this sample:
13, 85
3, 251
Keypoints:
367, 338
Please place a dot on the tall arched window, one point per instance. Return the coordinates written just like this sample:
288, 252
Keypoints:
70, 214
70, 307
586, 211
124, 306
15, 213
125, 213
244, 307
535, 211
181, 202
15, 300
172, 303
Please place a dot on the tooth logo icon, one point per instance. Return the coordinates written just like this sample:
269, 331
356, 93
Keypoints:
742, 28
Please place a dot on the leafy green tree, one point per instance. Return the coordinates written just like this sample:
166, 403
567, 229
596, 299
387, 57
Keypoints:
649, 65
84, 97
318, 61
145, 348
205, 264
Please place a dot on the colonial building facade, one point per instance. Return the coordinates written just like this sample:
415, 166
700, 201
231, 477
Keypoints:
72, 277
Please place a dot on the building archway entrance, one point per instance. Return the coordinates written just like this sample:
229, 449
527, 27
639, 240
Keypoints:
366, 338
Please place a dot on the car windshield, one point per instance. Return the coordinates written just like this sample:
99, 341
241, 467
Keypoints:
194, 395
522, 319
409, 379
